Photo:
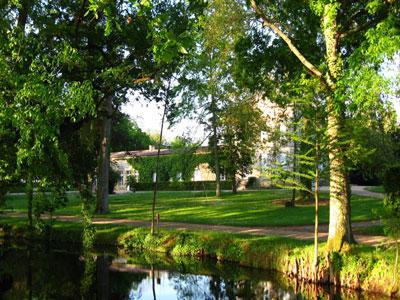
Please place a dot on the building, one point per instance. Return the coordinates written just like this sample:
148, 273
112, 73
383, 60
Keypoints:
119, 161
270, 151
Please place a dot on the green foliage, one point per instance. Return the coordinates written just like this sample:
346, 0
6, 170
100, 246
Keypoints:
391, 182
127, 136
179, 185
181, 161
49, 201
112, 179
88, 229
242, 123
391, 217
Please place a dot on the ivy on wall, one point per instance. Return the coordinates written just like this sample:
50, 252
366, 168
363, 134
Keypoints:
170, 166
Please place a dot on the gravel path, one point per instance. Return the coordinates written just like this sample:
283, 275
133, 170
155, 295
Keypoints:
358, 190
305, 232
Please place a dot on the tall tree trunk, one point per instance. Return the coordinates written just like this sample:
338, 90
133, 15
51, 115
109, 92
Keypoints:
339, 223
234, 185
104, 159
215, 148
339, 203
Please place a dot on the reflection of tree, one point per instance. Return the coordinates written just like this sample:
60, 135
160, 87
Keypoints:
88, 274
125, 285
189, 286
153, 284
29, 270
103, 277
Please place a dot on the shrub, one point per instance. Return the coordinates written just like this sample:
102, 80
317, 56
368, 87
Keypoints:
181, 185
391, 179
112, 180
252, 182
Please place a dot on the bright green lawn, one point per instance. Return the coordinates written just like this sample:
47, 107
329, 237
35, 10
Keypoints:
376, 189
251, 208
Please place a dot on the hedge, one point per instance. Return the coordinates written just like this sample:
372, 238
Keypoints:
181, 186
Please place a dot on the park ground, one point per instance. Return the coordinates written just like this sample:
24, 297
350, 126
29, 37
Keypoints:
258, 212
251, 228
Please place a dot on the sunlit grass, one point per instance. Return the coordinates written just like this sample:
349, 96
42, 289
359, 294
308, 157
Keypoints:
250, 208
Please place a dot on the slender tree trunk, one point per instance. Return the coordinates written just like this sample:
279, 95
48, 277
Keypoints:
295, 149
316, 198
153, 282
293, 200
153, 208
104, 160
215, 149
396, 264
29, 195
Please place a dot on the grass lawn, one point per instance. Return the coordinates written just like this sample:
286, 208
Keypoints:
250, 208
376, 189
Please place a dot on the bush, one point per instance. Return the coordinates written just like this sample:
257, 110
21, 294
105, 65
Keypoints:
182, 185
391, 179
112, 180
252, 182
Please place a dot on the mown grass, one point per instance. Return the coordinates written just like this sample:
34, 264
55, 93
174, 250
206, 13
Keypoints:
376, 189
250, 208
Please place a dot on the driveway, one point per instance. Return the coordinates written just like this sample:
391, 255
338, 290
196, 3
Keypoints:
358, 190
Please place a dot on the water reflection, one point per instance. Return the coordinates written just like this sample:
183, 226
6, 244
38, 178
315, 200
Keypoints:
62, 273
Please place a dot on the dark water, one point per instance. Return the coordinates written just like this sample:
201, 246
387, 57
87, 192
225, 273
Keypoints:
61, 272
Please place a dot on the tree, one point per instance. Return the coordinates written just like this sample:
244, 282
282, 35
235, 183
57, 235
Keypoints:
242, 123
340, 44
35, 103
206, 77
120, 44
126, 135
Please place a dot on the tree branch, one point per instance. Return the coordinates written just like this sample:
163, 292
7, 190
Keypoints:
360, 28
268, 23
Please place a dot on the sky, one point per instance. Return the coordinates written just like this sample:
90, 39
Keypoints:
148, 116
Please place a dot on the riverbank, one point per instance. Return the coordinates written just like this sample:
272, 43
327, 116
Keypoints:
360, 268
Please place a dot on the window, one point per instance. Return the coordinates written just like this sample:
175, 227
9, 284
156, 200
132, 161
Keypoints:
154, 177
197, 174
179, 176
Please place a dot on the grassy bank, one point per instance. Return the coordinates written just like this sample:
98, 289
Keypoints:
66, 232
361, 267
250, 208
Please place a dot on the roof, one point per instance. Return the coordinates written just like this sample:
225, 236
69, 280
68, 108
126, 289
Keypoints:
153, 152
138, 153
